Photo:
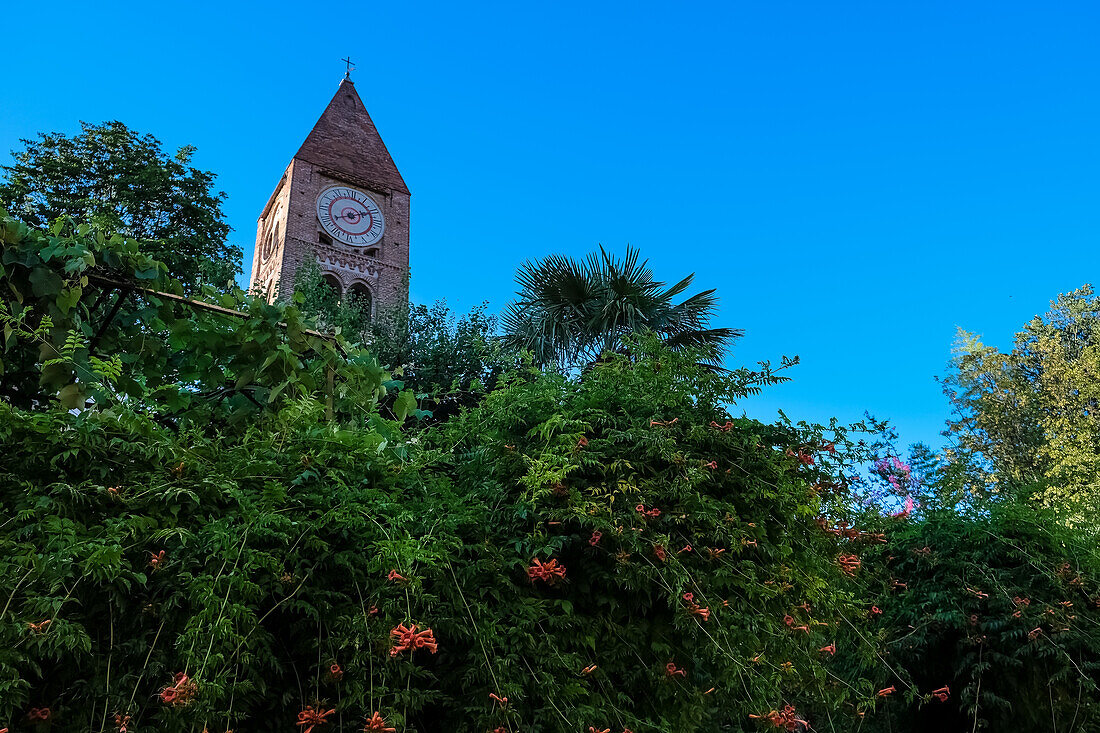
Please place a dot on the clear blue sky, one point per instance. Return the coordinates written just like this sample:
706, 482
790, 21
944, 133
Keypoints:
857, 179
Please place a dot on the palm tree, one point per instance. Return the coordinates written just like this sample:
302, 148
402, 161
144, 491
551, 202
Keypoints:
570, 312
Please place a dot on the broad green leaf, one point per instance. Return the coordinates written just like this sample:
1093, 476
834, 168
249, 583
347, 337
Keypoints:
404, 404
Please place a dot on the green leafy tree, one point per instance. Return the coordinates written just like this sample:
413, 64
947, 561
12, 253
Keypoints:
571, 312
261, 577
454, 360
1030, 416
123, 182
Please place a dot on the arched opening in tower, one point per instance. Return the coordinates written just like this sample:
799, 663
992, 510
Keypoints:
334, 283
360, 295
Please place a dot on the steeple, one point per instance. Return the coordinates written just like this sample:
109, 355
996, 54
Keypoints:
342, 203
345, 141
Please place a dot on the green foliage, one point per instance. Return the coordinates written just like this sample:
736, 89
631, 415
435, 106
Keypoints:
279, 539
254, 528
325, 309
990, 586
207, 521
1029, 416
452, 360
1001, 606
569, 313
122, 182
91, 320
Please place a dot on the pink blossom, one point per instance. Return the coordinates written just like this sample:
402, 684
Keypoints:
909, 506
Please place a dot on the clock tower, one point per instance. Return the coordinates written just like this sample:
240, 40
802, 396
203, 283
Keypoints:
342, 201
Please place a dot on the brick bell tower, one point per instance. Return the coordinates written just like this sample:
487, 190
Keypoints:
340, 200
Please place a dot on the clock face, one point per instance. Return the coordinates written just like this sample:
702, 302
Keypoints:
350, 216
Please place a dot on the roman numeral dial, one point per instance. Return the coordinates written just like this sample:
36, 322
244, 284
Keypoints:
350, 216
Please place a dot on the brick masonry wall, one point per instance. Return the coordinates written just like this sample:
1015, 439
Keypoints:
267, 256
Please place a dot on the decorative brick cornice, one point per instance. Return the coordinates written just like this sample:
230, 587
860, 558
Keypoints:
352, 264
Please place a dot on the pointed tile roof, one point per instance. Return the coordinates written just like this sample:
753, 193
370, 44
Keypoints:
345, 140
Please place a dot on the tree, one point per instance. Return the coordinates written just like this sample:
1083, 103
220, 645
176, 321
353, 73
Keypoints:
453, 358
571, 312
1031, 415
121, 181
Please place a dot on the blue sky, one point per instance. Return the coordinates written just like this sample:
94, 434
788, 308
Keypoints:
857, 179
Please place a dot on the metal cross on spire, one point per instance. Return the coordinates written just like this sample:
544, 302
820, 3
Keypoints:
347, 74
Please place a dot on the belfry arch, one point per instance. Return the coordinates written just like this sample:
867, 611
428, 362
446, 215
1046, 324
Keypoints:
363, 295
333, 282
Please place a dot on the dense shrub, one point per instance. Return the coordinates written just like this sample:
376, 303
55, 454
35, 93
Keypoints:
294, 544
994, 603
1001, 608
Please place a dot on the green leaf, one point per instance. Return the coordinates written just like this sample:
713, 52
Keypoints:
404, 404
72, 396
45, 281
68, 297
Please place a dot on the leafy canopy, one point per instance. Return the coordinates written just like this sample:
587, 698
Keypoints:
1030, 417
295, 546
450, 359
123, 182
205, 520
997, 602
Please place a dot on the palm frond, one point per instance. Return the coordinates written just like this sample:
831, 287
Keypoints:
679, 287
702, 337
